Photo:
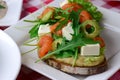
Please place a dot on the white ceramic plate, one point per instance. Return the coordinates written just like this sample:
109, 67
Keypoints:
13, 13
10, 58
110, 35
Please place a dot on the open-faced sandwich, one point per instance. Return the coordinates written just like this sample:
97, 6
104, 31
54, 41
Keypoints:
3, 8
69, 38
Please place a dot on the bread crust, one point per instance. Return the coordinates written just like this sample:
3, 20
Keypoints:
80, 70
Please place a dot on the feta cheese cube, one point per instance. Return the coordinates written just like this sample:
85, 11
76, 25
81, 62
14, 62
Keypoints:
43, 29
90, 50
67, 31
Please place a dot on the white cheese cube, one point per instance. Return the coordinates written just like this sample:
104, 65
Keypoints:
90, 50
43, 29
63, 3
67, 31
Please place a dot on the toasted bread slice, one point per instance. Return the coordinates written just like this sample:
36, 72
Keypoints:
81, 70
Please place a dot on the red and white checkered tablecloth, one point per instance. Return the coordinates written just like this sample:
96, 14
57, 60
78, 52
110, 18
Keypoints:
109, 4
30, 6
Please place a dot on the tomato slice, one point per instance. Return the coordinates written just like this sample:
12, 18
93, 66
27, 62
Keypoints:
45, 45
102, 44
71, 6
85, 15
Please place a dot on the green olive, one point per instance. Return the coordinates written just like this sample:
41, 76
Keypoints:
56, 42
94, 31
47, 16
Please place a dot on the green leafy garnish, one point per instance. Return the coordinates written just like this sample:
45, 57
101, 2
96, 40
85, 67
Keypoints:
74, 16
97, 15
61, 13
76, 56
63, 17
34, 31
33, 21
62, 23
65, 54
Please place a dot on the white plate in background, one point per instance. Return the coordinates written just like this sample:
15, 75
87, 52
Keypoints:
13, 13
10, 58
110, 35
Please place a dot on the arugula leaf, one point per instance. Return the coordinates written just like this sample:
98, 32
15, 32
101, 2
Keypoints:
33, 21
55, 36
89, 41
65, 54
75, 57
34, 31
61, 12
62, 23
50, 21
63, 16
75, 20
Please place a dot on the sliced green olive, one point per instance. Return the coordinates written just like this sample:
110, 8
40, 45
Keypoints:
47, 16
56, 43
94, 29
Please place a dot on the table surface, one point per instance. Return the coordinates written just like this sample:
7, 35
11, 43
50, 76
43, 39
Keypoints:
29, 6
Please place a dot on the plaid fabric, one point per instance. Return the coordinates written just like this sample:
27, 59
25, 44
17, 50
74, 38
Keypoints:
113, 5
116, 76
29, 6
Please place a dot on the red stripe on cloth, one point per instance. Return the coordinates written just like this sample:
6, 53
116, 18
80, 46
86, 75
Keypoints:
31, 9
25, 1
23, 14
3, 27
114, 4
111, 4
48, 1
116, 76
107, 6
